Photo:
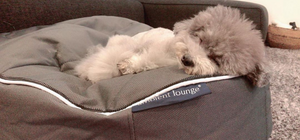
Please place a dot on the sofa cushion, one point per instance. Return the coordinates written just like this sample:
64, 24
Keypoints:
20, 14
164, 13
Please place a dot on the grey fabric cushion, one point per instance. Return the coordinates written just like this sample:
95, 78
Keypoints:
47, 56
234, 111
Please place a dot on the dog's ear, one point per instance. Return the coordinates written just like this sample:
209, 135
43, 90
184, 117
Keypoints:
182, 25
260, 76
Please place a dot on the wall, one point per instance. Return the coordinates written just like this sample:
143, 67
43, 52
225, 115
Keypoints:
281, 11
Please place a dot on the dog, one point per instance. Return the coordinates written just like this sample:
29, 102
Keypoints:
216, 41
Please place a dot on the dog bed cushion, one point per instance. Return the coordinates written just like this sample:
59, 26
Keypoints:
42, 98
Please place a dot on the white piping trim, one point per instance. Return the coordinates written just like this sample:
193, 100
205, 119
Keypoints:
67, 102
41, 87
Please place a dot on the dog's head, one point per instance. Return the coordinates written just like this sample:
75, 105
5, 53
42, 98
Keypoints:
229, 41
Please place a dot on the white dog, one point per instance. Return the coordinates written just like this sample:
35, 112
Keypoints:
218, 40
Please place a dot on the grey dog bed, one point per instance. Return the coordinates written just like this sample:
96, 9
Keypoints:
42, 98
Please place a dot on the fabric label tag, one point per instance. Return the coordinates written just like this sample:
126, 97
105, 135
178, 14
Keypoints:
174, 96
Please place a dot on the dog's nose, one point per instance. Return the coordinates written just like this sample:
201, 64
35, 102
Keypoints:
187, 61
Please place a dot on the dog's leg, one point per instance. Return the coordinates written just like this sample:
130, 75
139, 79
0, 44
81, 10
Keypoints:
127, 66
136, 64
260, 76
147, 59
102, 62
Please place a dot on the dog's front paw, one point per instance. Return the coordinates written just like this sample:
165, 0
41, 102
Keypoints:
125, 67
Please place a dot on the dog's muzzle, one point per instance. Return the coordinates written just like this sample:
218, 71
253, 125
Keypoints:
187, 61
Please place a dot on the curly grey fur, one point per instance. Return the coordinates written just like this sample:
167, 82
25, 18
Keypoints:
229, 40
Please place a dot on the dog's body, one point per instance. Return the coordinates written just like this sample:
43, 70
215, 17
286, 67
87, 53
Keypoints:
124, 55
218, 40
